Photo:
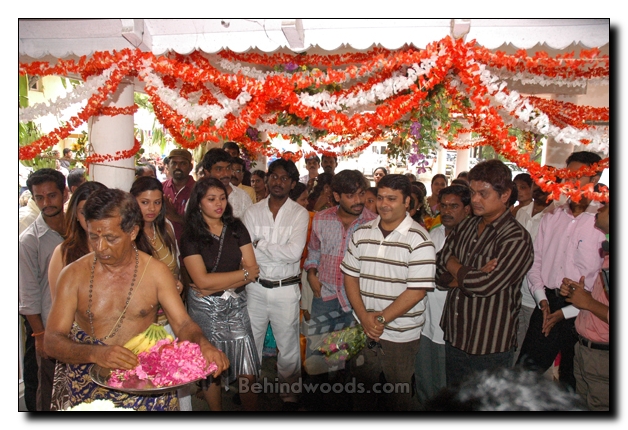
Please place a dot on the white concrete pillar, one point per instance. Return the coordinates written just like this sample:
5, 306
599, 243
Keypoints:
462, 158
109, 134
441, 161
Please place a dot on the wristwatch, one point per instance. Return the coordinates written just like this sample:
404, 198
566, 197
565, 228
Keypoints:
246, 274
380, 319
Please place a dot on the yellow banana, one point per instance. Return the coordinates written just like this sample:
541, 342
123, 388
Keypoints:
142, 346
170, 338
150, 344
147, 339
134, 341
138, 339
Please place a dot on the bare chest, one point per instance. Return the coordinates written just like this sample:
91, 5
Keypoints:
115, 307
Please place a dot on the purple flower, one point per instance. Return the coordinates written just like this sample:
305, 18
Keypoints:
415, 129
252, 133
291, 67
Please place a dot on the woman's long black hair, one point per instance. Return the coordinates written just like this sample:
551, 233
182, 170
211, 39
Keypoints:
148, 183
195, 226
75, 244
321, 180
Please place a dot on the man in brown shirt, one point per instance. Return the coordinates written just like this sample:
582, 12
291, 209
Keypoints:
483, 264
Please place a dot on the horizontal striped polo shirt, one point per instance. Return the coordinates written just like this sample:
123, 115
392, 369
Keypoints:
386, 267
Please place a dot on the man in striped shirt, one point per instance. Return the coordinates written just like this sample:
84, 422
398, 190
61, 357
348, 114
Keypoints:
483, 263
388, 267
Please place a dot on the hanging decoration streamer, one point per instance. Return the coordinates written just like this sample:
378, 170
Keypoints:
341, 104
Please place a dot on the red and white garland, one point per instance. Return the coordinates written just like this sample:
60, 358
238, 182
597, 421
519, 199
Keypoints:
355, 95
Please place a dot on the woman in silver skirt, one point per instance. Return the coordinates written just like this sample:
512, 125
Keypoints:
218, 255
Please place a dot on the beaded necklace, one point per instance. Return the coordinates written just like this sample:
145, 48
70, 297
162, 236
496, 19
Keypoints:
118, 323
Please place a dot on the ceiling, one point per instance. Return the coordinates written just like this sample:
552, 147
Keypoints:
50, 39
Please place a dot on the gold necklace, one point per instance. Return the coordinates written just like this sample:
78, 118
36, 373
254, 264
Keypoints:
154, 238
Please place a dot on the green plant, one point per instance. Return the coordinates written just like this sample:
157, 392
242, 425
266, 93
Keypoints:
157, 132
433, 119
30, 132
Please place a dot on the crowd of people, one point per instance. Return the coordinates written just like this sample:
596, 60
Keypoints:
483, 278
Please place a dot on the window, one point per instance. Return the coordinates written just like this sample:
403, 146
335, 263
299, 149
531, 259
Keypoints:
34, 83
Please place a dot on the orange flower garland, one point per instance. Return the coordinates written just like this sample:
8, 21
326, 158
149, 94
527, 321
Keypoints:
93, 105
343, 76
119, 155
569, 113
113, 111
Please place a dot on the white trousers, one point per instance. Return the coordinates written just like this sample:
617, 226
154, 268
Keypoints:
280, 307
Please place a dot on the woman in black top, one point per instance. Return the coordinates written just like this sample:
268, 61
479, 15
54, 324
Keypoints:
218, 255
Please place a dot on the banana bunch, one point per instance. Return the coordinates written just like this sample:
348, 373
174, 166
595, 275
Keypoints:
147, 339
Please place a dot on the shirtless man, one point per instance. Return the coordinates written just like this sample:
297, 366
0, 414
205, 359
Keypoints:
109, 296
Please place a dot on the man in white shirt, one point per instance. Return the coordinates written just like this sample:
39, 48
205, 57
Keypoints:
217, 163
278, 229
429, 365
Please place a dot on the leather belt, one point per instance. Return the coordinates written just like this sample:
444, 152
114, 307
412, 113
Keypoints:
276, 284
237, 291
589, 344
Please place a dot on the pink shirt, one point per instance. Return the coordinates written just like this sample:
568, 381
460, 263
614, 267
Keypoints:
326, 249
566, 247
587, 324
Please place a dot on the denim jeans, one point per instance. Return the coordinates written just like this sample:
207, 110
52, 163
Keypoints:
333, 311
326, 317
